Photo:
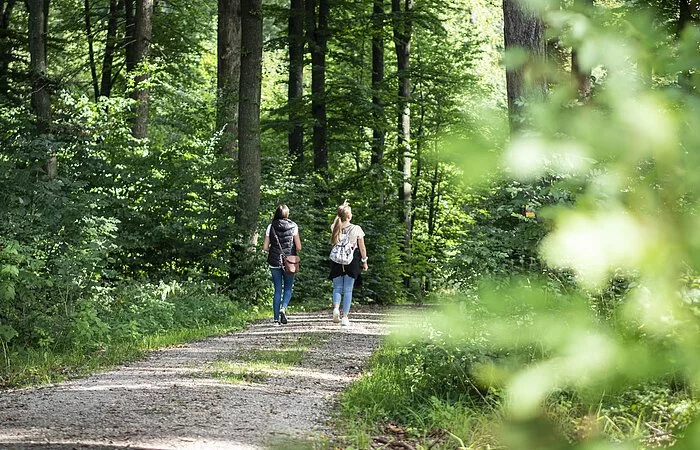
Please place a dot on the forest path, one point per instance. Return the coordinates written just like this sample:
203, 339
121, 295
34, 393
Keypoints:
262, 387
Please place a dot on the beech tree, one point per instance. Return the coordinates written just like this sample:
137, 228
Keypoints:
143, 27
378, 131
317, 34
295, 87
40, 97
249, 120
6, 8
582, 78
228, 73
38, 28
523, 30
87, 11
111, 43
402, 28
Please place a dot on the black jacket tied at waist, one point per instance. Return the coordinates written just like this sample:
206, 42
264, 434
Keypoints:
284, 230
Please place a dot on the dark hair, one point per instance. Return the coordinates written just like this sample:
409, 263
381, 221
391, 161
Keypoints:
281, 212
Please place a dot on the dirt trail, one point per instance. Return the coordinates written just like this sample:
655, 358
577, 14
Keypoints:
177, 398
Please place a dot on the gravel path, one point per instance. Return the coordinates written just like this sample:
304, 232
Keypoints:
219, 393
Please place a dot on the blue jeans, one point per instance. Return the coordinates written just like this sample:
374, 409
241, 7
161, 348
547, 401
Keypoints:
279, 279
342, 286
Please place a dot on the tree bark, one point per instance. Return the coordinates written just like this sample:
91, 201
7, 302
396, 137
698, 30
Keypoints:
684, 14
317, 32
249, 120
6, 8
523, 29
142, 47
129, 35
434, 192
402, 24
685, 17
40, 99
91, 49
295, 92
378, 115
110, 46
228, 74
581, 77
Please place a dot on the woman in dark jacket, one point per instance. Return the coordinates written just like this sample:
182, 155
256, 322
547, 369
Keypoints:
281, 238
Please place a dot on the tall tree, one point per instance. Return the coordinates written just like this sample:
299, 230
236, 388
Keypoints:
228, 73
38, 28
40, 98
91, 48
402, 27
317, 12
249, 120
295, 92
143, 29
130, 35
6, 7
685, 18
581, 77
523, 30
378, 131
110, 46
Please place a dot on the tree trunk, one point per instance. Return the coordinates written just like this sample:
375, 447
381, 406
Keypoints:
249, 120
402, 41
142, 47
228, 74
523, 29
40, 99
91, 49
110, 46
5, 44
432, 202
317, 31
129, 35
378, 115
581, 78
295, 92
419, 141
685, 17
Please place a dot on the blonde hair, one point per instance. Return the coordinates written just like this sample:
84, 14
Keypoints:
341, 216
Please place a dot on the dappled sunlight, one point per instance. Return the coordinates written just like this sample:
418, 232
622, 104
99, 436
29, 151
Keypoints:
192, 442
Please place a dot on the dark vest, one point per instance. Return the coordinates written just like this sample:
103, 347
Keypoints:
284, 230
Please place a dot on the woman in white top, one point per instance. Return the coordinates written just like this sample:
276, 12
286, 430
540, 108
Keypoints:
281, 238
348, 235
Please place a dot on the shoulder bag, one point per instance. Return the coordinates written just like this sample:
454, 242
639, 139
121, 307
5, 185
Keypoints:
290, 263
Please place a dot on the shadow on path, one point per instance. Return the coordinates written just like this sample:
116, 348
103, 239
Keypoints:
176, 398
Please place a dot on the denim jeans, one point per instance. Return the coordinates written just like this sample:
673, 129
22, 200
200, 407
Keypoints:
280, 279
342, 286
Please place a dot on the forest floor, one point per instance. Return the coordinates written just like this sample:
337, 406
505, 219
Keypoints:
262, 387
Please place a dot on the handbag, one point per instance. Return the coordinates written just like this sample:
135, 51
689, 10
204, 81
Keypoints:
290, 263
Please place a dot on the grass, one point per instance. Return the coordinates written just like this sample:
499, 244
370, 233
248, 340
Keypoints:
255, 365
235, 373
41, 366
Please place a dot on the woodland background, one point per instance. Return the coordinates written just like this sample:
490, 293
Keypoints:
532, 164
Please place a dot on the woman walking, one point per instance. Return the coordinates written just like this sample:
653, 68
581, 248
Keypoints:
347, 255
281, 238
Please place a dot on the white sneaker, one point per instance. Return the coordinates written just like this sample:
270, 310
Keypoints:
276, 323
345, 322
336, 316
